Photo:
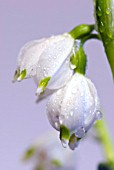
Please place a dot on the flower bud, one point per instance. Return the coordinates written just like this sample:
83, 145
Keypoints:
73, 109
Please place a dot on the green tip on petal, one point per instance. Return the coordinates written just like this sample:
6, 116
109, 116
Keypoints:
29, 153
73, 139
56, 163
42, 85
22, 75
16, 75
64, 133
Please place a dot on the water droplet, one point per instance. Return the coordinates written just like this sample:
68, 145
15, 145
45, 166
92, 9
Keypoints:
39, 91
102, 27
72, 66
99, 12
67, 117
108, 10
55, 101
55, 57
80, 132
57, 125
74, 90
58, 93
98, 115
64, 143
109, 33
68, 104
71, 112
44, 68
61, 118
76, 108
82, 94
45, 74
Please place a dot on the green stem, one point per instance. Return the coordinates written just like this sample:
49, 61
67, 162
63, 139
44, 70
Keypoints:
105, 140
81, 30
90, 36
81, 56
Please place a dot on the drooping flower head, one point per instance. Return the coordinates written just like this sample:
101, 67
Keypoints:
58, 65
47, 61
73, 109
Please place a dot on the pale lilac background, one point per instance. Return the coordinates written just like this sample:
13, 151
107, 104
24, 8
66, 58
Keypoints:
21, 119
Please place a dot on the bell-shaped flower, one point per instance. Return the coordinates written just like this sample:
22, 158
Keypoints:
47, 154
73, 109
47, 61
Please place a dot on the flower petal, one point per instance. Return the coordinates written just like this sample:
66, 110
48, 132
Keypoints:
29, 56
78, 109
54, 108
61, 77
53, 56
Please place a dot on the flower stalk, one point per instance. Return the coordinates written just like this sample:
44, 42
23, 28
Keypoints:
81, 31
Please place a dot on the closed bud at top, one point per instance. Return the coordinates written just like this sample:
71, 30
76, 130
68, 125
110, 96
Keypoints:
46, 59
73, 109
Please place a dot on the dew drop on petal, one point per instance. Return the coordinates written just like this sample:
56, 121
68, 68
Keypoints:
98, 115
74, 91
55, 101
55, 57
71, 113
72, 66
82, 94
80, 132
45, 74
53, 110
61, 118
57, 125
58, 93
64, 143
39, 91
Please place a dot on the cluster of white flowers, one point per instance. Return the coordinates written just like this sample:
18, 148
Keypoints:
74, 104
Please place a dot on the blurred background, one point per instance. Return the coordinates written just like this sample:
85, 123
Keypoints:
22, 121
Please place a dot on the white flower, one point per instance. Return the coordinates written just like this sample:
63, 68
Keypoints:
47, 153
75, 108
47, 61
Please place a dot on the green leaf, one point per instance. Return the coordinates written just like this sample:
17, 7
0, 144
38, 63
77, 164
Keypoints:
104, 14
